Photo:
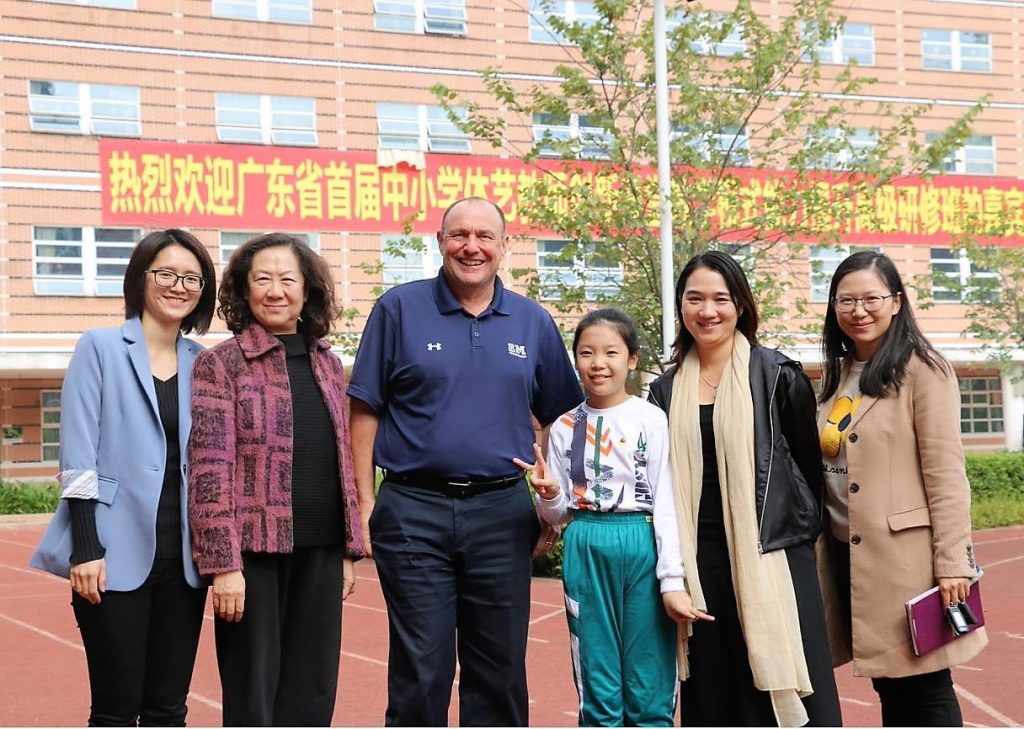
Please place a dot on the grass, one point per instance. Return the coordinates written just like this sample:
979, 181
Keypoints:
28, 497
997, 511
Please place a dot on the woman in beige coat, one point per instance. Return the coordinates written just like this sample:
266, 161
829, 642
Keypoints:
897, 497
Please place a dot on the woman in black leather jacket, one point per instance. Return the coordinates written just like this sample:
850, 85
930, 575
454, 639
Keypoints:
747, 469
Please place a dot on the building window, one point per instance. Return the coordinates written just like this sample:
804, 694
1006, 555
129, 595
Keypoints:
727, 144
952, 275
408, 258
81, 261
570, 11
66, 107
729, 44
122, 4
981, 405
824, 260
600, 278
572, 136
49, 406
262, 119
416, 126
976, 157
852, 42
956, 50
274, 11
839, 149
433, 17
231, 239
13, 434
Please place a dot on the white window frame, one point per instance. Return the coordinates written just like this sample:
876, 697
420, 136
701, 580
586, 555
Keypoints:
981, 408
956, 50
420, 127
229, 240
956, 265
732, 44
730, 139
596, 277
591, 142
857, 141
94, 276
575, 11
83, 108
265, 119
299, 12
976, 157
853, 41
414, 265
428, 17
46, 398
823, 261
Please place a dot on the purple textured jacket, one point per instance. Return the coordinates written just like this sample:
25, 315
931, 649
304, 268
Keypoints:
240, 449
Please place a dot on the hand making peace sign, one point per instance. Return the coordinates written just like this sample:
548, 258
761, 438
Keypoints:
545, 486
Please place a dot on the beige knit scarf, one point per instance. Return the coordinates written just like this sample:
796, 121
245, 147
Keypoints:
764, 588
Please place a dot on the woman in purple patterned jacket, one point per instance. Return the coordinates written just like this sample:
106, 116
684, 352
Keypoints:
272, 501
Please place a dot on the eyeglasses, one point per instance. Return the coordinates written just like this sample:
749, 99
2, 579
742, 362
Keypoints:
168, 279
871, 304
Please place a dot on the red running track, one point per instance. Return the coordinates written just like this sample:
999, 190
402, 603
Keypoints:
43, 678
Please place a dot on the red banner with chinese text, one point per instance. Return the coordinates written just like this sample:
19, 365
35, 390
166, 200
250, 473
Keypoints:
161, 184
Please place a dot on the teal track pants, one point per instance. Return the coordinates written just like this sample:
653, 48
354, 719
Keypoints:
623, 644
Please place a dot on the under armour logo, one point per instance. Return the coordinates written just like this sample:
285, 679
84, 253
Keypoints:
433, 346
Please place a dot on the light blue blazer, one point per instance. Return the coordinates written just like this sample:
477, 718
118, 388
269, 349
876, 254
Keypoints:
112, 441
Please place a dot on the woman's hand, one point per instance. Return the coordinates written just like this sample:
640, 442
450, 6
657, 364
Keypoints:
545, 486
679, 606
89, 579
546, 541
954, 589
348, 579
229, 596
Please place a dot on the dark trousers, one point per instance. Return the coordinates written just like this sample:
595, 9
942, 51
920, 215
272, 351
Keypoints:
927, 699
455, 573
279, 664
141, 647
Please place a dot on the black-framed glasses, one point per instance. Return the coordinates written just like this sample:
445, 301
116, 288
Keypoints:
167, 279
871, 303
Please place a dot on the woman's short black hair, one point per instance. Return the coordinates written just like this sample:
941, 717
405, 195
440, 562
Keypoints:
618, 320
318, 311
739, 291
904, 337
145, 251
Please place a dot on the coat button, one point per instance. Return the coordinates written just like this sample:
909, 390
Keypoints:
853, 438
855, 539
854, 488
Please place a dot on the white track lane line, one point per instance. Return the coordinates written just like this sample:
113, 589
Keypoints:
35, 573
983, 707
858, 702
553, 613
75, 646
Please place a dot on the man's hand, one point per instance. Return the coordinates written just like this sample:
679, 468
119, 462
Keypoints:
229, 596
89, 579
679, 606
365, 509
546, 541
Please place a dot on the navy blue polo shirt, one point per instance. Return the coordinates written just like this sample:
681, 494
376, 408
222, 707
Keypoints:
454, 391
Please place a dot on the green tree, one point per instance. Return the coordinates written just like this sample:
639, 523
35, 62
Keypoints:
770, 89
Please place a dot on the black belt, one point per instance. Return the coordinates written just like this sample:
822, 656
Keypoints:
456, 489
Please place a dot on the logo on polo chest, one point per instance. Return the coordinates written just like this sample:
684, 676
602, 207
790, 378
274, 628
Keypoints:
517, 350
433, 346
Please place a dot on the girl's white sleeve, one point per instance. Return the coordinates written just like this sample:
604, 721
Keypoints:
666, 522
556, 511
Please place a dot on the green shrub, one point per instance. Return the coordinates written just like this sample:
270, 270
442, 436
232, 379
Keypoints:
28, 498
996, 475
550, 564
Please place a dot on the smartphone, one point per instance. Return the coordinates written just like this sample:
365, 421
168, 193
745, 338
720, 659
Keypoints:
956, 619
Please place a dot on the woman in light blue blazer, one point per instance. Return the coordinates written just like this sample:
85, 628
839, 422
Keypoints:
121, 532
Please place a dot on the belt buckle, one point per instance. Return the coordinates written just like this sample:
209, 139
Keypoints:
461, 489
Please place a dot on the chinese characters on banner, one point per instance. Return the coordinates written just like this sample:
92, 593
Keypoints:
158, 184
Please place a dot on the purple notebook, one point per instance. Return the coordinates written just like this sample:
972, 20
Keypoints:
929, 627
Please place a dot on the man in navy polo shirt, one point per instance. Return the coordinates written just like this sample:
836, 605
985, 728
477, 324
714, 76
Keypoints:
447, 376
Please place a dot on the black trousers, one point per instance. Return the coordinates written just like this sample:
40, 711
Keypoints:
927, 699
455, 573
141, 648
279, 664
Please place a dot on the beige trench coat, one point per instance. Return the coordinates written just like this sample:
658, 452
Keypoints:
910, 523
